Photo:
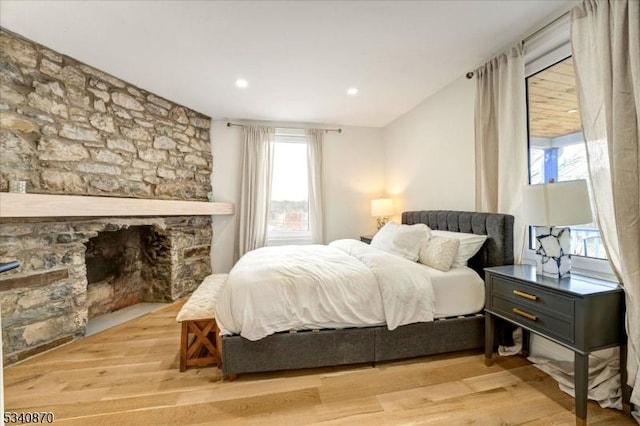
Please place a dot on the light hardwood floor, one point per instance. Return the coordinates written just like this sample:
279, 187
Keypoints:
129, 375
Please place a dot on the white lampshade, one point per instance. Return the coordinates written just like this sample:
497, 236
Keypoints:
382, 207
557, 204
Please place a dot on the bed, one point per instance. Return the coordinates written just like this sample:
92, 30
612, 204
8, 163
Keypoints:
448, 332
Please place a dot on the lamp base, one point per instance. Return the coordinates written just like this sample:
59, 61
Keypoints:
382, 221
553, 251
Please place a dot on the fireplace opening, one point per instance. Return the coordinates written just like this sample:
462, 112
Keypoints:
126, 267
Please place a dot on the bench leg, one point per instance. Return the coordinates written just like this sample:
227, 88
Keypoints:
184, 339
198, 344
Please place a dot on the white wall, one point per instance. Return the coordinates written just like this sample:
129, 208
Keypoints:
226, 146
429, 152
353, 174
353, 167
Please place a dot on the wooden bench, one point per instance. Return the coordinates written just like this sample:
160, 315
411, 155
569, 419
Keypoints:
199, 343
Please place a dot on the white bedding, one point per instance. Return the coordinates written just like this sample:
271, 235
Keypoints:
344, 284
460, 291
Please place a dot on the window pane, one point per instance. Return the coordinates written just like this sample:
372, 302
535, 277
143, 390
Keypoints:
289, 208
572, 162
536, 165
556, 144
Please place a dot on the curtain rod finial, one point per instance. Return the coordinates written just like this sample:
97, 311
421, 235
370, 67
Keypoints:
469, 75
228, 124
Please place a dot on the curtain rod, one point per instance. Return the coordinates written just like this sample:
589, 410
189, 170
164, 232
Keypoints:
229, 124
470, 74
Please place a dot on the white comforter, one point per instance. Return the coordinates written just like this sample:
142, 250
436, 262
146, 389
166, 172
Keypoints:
344, 284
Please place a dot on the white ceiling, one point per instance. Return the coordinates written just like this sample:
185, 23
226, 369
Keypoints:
299, 57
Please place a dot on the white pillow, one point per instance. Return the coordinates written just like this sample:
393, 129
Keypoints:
402, 240
439, 252
470, 244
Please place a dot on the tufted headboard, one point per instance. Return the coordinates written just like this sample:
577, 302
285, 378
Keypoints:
496, 251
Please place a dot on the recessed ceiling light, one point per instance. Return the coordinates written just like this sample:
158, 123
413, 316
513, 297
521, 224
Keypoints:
242, 83
572, 111
352, 91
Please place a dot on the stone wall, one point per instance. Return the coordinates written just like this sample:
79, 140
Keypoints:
44, 302
68, 128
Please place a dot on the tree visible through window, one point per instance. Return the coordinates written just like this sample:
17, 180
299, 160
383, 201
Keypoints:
556, 145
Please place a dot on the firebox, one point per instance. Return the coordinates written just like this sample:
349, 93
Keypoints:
125, 267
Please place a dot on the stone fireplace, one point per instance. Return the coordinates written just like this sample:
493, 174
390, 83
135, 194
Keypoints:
73, 270
67, 128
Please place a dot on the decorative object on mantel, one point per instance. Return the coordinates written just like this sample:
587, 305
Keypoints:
381, 209
210, 197
49, 205
7, 266
18, 186
549, 206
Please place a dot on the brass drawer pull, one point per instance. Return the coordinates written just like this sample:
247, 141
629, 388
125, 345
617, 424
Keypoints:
524, 314
525, 295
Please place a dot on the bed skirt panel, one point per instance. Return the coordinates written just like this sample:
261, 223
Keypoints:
430, 338
309, 349
306, 349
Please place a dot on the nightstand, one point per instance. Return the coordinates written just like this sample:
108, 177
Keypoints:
580, 313
366, 238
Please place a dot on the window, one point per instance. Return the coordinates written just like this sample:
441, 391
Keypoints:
556, 144
289, 205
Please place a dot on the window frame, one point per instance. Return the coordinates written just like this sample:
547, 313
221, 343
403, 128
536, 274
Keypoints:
280, 237
550, 48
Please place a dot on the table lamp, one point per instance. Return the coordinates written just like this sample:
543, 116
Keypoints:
381, 209
550, 207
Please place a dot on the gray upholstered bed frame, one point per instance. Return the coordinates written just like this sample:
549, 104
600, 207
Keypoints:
306, 349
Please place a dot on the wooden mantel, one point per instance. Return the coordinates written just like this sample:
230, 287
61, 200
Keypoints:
49, 205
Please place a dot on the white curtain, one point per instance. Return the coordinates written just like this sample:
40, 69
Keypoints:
501, 139
255, 191
316, 198
605, 38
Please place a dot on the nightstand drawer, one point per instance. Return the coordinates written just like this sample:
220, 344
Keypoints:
534, 319
533, 297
